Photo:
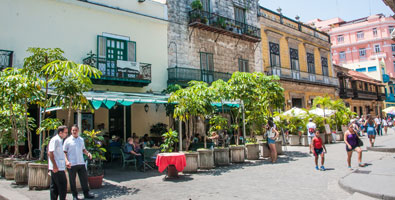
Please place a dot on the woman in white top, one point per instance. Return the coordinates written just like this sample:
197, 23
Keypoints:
272, 135
385, 125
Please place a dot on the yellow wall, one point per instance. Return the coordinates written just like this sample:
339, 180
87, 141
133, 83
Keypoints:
284, 53
317, 61
142, 121
302, 58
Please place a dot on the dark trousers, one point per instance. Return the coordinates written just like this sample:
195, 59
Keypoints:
378, 129
81, 170
58, 186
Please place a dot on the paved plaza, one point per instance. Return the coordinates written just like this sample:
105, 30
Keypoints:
293, 177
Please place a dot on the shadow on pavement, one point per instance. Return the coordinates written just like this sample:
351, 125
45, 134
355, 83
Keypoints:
115, 172
109, 191
182, 178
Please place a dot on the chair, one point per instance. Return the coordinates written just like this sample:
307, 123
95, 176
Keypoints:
150, 157
115, 152
126, 161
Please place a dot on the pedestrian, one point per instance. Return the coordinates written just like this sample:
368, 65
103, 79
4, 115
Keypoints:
74, 148
385, 125
351, 140
57, 165
311, 126
272, 135
362, 125
371, 124
377, 120
318, 147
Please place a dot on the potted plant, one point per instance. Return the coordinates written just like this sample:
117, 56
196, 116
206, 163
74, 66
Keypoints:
158, 129
252, 148
93, 143
197, 7
170, 139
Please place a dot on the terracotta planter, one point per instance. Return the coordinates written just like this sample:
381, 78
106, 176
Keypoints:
9, 168
264, 149
221, 156
294, 140
252, 151
192, 159
77, 181
1, 167
324, 138
339, 136
279, 148
38, 176
304, 140
95, 182
237, 154
206, 159
21, 172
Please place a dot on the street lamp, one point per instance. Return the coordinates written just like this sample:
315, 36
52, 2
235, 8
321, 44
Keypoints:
146, 108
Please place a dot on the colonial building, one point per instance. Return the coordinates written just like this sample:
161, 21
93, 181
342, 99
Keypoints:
363, 94
126, 40
213, 42
299, 55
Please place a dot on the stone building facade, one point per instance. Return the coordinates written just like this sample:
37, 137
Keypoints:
223, 39
299, 55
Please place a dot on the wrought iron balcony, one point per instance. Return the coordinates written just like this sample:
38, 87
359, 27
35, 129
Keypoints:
304, 77
120, 72
222, 25
181, 76
5, 59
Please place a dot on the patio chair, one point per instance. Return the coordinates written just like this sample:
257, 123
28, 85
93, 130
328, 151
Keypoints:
150, 157
126, 161
115, 152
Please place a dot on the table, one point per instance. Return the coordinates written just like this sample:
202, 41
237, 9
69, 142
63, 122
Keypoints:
174, 162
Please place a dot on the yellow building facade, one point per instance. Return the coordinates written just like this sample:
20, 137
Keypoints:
300, 56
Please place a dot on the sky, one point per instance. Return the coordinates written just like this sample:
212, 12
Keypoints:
327, 9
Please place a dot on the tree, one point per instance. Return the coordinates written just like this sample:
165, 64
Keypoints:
322, 102
171, 106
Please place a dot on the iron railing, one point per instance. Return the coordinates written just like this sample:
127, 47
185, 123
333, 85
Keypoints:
111, 70
224, 23
300, 76
5, 59
184, 75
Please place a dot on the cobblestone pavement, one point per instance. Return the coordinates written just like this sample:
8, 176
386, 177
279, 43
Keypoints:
294, 177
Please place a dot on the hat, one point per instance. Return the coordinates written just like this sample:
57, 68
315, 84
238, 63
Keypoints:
310, 119
114, 137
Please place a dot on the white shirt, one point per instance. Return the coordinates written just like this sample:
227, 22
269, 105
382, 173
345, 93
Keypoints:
74, 148
55, 146
385, 122
309, 126
377, 120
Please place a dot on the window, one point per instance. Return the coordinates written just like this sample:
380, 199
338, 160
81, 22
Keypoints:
207, 66
342, 55
340, 38
375, 32
310, 63
243, 65
360, 35
390, 29
363, 69
240, 15
362, 52
366, 87
372, 69
294, 55
324, 63
377, 48
274, 54
206, 5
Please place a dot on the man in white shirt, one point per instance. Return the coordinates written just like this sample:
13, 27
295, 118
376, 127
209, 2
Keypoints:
74, 148
56, 164
378, 122
311, 126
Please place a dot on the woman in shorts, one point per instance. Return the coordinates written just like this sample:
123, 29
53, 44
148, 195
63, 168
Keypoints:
351, 140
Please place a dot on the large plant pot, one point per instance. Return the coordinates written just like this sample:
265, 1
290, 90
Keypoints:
95, 182
77, 181
279, 148
237, 154
192, 159
206, 159
304, 140
21, 172
252, 151
339, 136
38, 176
324, 138
294, 140
9, 168
1, 167
221, 156
265, 151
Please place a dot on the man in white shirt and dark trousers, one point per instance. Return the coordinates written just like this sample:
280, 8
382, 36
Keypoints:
56, 165
311, 126
74, 148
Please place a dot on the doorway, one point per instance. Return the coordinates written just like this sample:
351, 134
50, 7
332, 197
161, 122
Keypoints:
297, 102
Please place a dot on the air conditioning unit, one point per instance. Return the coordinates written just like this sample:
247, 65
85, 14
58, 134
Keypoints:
124, 66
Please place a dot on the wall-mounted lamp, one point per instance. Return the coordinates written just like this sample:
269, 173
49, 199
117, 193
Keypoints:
146, 108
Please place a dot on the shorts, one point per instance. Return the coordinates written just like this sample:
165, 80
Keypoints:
271, 141
352, 148
309, 139
318, 152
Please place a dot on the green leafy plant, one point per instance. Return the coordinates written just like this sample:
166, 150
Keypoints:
94, 144
218, 123
47, 125
170, 139
158, 129
196, 5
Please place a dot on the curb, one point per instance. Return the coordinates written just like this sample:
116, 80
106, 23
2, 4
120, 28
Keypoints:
371, 194
381, 149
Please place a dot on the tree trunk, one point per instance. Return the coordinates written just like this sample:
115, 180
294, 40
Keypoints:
43, 115
69, 115
186, 132
29, 137
14, 130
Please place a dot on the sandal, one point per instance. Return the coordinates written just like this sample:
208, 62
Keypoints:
362, 164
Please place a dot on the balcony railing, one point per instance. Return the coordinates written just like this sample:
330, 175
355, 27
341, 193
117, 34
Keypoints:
119, 72
381, 96
219, 24
346, 93
181, 76
366, 95
299, 76
5, 59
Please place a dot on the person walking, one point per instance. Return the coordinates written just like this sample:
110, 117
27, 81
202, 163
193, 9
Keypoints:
311, 126
377, 120
272, 135
74, 148
57, 165
371, 124
362, 125
351, 140
318, 147
385, 125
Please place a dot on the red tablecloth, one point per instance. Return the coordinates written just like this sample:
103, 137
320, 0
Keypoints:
165, 159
